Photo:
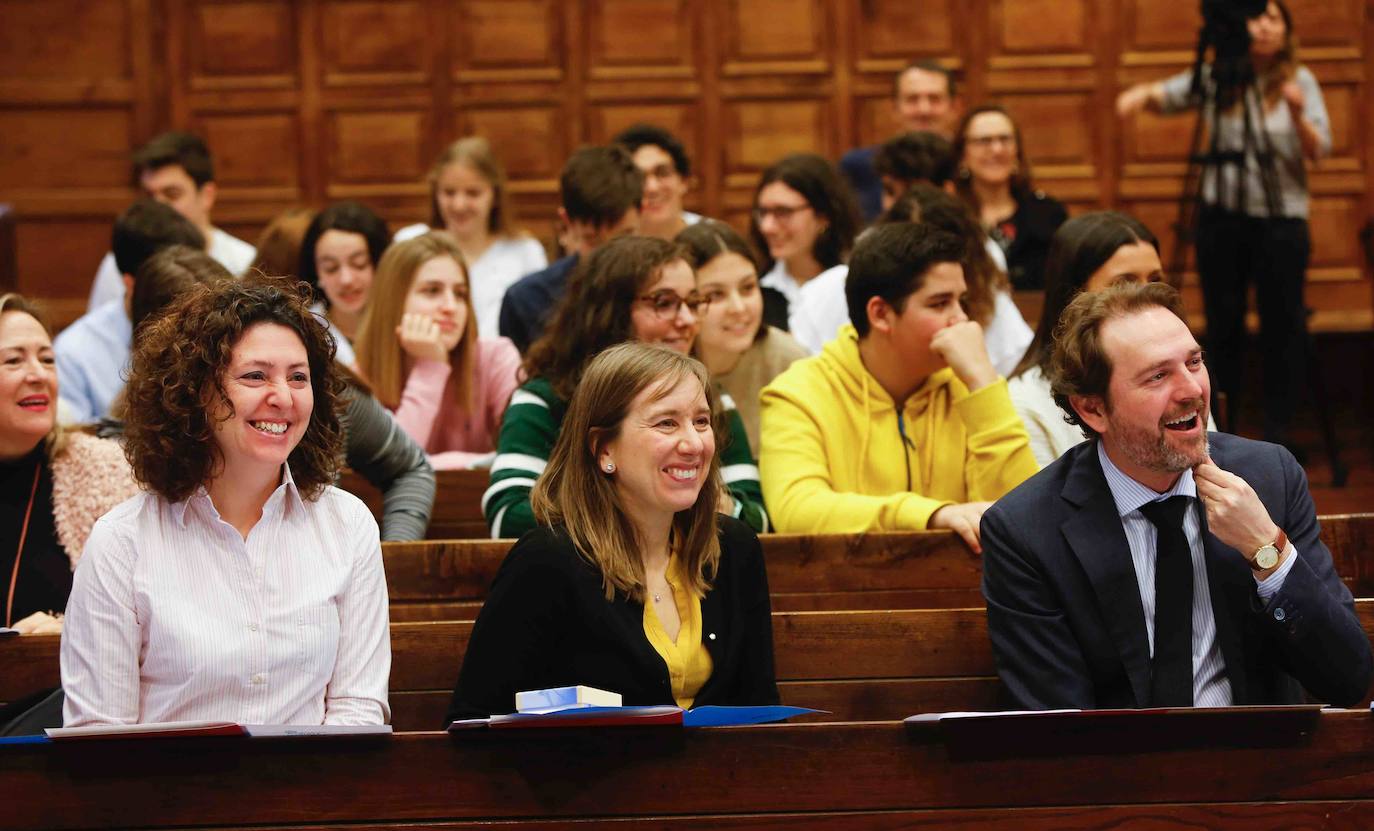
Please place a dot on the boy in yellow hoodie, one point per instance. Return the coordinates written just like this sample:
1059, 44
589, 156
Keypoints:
901, 423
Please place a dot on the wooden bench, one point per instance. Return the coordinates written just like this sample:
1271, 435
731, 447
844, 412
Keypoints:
859, 665
457, 512
446, 580
834, 777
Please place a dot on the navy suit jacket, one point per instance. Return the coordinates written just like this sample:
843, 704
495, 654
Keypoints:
1064, 610
530, 301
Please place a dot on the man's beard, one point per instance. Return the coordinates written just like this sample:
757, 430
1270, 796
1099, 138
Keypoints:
1152, 450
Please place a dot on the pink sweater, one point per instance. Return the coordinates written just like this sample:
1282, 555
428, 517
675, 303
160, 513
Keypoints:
455, 437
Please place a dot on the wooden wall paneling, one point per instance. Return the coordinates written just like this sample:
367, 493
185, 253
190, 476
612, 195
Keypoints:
235, 44
512, 83
1022, 37
708, 187
311, 100
375, 42
1366, 104
73, 93
641, 38
778, 36
884, 36
1155, 33
1328, 28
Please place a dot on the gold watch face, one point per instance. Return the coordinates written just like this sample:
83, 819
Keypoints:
1267, 557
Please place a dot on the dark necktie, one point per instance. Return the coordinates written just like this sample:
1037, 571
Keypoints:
1171, 677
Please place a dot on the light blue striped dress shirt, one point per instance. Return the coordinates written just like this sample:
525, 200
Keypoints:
1210, 685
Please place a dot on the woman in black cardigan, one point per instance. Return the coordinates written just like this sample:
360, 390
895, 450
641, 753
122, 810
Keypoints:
632, 583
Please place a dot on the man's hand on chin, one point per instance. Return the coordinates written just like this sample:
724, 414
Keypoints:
1235, 514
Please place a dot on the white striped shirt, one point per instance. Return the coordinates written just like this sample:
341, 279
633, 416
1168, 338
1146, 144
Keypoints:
174, 616
1211, 688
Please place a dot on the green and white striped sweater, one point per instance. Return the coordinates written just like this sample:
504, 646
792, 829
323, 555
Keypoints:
528, 432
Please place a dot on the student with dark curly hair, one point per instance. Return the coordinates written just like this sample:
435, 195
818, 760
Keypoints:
241, 585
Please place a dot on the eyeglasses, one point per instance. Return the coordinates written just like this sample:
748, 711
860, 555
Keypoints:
666, 304
984, 142
661, 172
781, 213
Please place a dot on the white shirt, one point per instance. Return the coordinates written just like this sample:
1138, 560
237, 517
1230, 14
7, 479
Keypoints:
173, 616
231, 252
1211, 688
343, 347
818, 308
504, 262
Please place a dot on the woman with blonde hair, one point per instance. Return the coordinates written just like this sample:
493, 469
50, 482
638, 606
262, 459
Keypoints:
470, 200
419, 348
632, 573
54, 482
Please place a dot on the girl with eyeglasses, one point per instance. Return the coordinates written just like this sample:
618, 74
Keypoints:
419, 348
804, 222
742, 352
631, 288
994, 178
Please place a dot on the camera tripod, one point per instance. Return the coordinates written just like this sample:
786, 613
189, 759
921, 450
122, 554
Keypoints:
1228, 84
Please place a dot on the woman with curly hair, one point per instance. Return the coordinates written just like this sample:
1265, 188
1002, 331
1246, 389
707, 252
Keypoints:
241, 586
632, 288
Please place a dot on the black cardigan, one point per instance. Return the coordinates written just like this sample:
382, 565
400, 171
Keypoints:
546, 623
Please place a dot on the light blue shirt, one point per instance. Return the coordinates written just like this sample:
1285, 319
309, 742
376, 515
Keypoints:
1210, 685
93, 360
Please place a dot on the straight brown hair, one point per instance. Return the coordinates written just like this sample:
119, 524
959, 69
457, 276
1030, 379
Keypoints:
381, 361
574, 492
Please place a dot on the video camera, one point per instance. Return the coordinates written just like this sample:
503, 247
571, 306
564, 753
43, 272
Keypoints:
1224, 30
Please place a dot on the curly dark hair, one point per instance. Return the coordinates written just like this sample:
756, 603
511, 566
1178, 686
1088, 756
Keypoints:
182, 355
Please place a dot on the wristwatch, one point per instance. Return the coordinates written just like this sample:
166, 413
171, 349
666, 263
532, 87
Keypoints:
1267, 556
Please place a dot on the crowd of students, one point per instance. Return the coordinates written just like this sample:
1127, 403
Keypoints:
620, 397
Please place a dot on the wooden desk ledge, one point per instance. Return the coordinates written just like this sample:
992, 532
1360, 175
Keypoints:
833, 776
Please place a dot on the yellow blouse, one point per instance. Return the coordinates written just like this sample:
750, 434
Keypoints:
689, 664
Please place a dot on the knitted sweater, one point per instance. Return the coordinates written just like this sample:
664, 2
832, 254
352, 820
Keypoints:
89, 477
529, 431
456, 437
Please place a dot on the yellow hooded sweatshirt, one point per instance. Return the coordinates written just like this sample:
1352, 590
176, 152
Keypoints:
833, 458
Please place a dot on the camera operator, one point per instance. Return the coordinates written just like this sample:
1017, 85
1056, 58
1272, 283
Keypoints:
1239, 237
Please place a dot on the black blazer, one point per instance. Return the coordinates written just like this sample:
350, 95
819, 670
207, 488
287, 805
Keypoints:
1026, 237
1064, 611
546, 623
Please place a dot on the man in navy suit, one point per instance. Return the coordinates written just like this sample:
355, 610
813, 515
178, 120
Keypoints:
924, 99
1100, 595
